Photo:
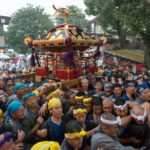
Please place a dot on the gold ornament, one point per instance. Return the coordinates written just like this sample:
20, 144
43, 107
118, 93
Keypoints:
104, 39
74, 32
79, 37
26, 40
73, 37
83, 35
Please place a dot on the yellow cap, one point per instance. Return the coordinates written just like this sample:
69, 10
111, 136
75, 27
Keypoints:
53, 102
75, 135
46, 145
79, 111
85, 100
53, 93
79, 97
36, 92
1, 112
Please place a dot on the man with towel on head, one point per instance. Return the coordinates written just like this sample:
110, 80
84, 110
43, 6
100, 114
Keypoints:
105, 137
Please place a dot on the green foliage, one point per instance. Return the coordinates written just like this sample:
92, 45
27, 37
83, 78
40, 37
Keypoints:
103, 10
136, 15
76, 17
32, 20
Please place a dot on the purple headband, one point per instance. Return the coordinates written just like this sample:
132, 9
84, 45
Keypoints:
7, 137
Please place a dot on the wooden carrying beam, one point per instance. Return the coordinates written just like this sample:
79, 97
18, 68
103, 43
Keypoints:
70, 83
26, 76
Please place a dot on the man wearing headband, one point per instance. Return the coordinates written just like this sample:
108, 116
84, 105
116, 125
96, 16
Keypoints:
32, 120
15, 113
121, 107
108, 87
80, 113
105, 137
54, 94
6, 142
129, 91
139, 114
9, 81
117, 91
73, 136
19, 90
121, 110
41, 92
53, 127
138, 129
144, 95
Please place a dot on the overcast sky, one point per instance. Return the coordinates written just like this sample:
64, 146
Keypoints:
8, 7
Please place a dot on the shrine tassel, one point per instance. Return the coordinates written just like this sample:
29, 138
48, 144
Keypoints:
97, 53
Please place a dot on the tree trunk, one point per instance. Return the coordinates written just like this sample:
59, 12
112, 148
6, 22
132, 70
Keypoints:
122, 39
147, 56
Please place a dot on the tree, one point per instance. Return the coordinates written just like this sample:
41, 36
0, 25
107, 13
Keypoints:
76, 17
31, 20
103, 10
136, 15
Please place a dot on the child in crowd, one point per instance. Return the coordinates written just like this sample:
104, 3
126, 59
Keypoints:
80, 113
74, 134
79, 97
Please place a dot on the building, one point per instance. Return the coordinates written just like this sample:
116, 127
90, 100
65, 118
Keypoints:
4, 20
96, 28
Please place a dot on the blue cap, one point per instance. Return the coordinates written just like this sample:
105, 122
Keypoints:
143, 85
141, 89
18, 86
28, 95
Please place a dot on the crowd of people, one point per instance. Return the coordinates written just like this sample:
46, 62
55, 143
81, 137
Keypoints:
108, 110
11, 65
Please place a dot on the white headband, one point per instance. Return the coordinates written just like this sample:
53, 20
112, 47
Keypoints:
120, 106
111, 122
139, 118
